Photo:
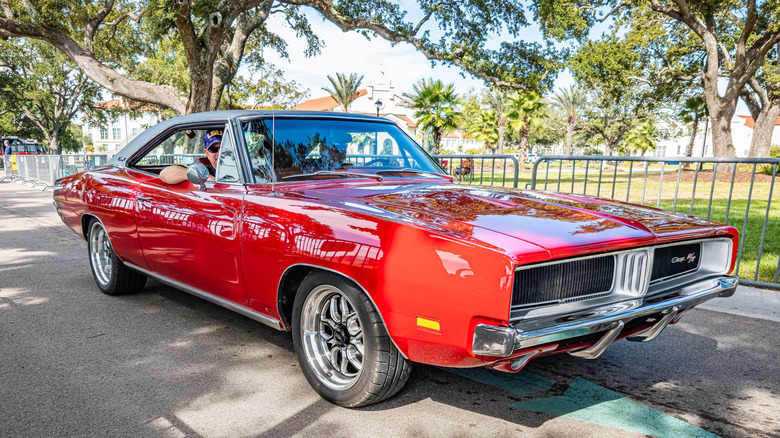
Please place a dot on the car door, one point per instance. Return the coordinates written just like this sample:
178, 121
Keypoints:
191, 235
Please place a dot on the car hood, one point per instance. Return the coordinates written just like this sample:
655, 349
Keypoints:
560, 224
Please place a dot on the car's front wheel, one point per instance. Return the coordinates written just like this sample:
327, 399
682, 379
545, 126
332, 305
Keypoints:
111, 275
342, 345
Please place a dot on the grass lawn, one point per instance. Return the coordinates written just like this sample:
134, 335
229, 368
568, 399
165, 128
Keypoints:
677, 190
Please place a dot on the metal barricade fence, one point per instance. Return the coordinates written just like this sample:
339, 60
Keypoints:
43, 170
168, 159
736, 191
9, 167
489, 170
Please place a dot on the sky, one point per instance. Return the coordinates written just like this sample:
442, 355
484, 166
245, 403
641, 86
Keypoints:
349, 52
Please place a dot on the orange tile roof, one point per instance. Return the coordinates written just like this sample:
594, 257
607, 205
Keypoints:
125, 105
750, 122
408, 121
326, 103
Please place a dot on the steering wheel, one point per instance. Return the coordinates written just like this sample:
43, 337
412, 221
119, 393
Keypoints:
384, 162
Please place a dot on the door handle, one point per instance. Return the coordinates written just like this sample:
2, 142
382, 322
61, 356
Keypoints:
141, 198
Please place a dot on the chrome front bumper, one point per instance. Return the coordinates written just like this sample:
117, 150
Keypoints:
609, 320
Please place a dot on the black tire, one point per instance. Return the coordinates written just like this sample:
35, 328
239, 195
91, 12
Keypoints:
110, 274
383, 371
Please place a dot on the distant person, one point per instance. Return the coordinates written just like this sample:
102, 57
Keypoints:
212, 142
7, 147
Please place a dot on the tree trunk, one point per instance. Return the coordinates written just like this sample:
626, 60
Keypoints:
694, 131
763, 130
721, 111
436, 141
54, 142
609, 145
501, 132
524, 133
569, 133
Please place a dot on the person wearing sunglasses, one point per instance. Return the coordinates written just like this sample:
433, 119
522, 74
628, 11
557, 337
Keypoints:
212, 141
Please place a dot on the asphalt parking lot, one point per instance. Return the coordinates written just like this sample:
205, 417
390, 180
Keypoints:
75, 362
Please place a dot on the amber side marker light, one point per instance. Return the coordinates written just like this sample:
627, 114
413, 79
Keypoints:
430, 324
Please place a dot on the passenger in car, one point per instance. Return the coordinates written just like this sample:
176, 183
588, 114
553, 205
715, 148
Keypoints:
212, 142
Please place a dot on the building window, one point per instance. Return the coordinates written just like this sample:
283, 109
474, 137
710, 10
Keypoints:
104, 133
117, 133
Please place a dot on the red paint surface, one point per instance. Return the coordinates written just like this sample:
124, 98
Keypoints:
417, 248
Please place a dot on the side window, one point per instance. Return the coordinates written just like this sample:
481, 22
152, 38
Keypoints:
181, 148
227, 164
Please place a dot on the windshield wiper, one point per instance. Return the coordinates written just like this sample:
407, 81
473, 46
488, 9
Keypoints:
407, 170
334, 174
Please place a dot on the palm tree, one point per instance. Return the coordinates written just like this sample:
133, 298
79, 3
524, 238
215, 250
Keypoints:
569, 100
485, 129
641, 138
437, 107
528, 111
500, 103
344, 88
693, 110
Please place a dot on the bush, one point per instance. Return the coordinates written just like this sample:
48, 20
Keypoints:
766, 169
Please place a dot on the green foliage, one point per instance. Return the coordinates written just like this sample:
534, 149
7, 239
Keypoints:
344, 88
694, 108
767, 169
641, 138
184, 54
265, 87
485, 129
436, 107
40, 85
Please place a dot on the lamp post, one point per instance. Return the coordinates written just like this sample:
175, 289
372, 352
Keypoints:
379, 105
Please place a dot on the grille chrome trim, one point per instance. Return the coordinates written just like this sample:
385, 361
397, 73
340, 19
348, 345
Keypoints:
715, 256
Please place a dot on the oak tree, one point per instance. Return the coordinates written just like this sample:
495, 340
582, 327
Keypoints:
118, 43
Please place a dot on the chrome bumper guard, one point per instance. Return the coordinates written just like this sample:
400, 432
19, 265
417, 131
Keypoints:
503, 341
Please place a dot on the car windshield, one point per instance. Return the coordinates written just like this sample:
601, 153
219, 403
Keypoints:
307, 149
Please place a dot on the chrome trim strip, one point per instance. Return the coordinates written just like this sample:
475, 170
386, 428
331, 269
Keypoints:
596, 320
370, 298
656, 329
249, 313
599, 347
495, 341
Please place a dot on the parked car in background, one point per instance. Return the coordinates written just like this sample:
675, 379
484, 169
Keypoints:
21, 146
375, 258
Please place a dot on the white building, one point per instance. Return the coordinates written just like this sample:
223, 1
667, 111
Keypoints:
112, 136
458, 142
741, 134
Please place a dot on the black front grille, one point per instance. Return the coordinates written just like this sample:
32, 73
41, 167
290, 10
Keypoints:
669, 261
563, 281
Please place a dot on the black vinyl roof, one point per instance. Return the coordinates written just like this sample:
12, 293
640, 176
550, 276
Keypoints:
221, 117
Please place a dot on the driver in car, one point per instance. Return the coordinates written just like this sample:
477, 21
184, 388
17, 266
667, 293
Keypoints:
212, 142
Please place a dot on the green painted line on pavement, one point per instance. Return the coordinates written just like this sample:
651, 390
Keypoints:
519, 384
586, 401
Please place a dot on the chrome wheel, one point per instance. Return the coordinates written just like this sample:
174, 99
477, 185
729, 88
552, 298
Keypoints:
100, 254
332, 336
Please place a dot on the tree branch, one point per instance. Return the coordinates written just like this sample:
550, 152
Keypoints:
346, 24
29, 114
31, 10
752, 17
422, 21
94, 22
9, 14
104, 76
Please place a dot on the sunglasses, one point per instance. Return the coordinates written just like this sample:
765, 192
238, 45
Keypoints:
214, 148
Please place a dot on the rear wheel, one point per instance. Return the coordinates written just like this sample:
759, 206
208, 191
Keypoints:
111, 275
342, 345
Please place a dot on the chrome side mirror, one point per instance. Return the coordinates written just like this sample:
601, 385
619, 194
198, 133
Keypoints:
198, 174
